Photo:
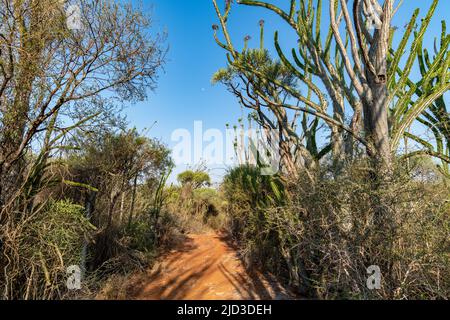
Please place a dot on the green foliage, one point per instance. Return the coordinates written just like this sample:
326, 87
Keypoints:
194, 179
49, 243
205, 194
195, 210
159, 200
328, 233
259, 191
142, 236
63, 227
436, 117
249, 195
422, 100
260, 61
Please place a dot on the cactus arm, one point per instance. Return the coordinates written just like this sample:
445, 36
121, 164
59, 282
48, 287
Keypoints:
427, 152
401, 48
292, 9
285, 16
223, 22
304, 79
414, 51
348, 65
415, 112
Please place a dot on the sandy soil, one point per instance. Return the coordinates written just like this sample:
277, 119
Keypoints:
206, 267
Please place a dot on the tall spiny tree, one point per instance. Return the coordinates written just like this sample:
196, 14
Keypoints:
359, 76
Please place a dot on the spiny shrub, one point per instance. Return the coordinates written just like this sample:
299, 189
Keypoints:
141, 235
195, 210
343, 233
48, 244
326, 233
249, 196
206, 203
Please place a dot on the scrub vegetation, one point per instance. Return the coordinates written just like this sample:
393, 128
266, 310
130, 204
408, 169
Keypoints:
358, 108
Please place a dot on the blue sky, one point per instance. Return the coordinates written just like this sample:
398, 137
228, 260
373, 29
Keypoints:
185, 93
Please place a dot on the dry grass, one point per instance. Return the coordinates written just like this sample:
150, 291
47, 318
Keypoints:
324, 238
42, 245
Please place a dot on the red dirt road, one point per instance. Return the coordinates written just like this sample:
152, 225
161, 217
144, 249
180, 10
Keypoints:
205, 267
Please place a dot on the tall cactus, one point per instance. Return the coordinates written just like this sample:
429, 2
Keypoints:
435, 116
295, 149
416, 100
358, 75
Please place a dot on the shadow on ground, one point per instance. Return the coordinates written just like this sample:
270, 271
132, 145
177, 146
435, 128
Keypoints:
205, 267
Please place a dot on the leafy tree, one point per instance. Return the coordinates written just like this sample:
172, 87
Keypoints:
194, 179
53, 78
112, 167
116, 163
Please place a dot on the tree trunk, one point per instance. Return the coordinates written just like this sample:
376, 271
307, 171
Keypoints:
337, 137
375, 106
112, 205
122, 202
89, 209
15, 116
133, 200
377, 126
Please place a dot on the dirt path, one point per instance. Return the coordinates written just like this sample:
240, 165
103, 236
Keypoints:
205, 267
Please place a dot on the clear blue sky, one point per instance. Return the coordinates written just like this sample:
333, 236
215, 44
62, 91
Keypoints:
185, 93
